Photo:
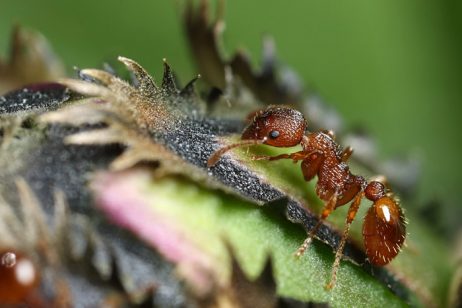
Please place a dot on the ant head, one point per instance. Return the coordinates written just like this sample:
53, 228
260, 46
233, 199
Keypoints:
276, 126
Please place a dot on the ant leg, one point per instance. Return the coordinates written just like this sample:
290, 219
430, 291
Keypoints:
352, 211
328, 208
267, 157
346, 153
294, 156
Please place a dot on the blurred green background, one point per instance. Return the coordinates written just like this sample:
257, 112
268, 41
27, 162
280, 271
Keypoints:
393, 66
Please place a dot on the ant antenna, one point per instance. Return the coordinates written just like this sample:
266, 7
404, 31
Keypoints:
215, 157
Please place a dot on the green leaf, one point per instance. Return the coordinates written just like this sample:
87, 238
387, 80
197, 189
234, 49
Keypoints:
254, 232
209, 219
423, 265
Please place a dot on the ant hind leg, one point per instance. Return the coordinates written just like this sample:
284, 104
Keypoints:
328, 208
352, 211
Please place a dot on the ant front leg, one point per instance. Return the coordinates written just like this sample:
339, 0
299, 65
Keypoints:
328, 208
294, 156
352, 211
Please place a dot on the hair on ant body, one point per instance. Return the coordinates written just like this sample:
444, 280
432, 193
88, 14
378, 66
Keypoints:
384, 228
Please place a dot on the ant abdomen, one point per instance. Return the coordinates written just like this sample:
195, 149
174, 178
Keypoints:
384, 230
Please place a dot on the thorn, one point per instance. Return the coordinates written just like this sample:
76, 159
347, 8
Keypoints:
188, 90
103, 77
168, 80
146, 84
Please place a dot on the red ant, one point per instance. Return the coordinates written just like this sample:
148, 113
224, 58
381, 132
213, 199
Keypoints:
384, 227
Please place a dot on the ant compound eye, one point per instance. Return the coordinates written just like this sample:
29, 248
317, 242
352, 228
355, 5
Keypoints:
274, 134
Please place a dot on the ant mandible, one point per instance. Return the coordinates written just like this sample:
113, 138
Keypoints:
384, 227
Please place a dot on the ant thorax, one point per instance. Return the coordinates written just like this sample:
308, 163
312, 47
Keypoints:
333, 173
322, 143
